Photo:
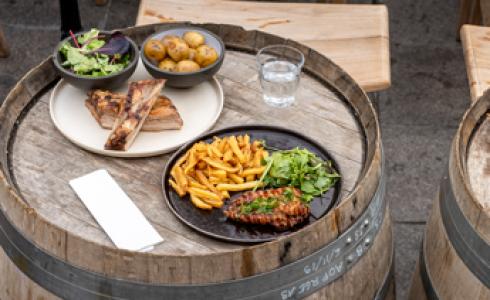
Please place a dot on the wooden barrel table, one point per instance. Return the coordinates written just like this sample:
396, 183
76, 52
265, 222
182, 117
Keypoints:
455, 257
53, 248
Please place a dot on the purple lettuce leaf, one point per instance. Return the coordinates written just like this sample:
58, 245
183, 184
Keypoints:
117, 44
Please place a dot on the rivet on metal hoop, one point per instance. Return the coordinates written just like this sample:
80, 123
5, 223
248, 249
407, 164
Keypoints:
367, 241
348, 241
350, 259
366, 222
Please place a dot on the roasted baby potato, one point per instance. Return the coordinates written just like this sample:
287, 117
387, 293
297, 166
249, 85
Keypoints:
193, 39
167, 65
192, 54
186, 66
154, 49
166, 39
177, 49
206, 55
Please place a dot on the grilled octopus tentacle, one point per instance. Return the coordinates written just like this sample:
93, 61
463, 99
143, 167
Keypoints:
287, 214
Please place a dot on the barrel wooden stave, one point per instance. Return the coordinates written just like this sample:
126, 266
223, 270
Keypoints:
204, 260
16, 285
363, 281
448, 274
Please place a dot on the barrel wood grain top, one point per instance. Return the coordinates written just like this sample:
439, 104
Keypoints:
476, 48
354, 36
44, 161
36, 164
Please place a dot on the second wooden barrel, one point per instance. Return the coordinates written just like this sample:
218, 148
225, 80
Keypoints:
52, 248
455, 257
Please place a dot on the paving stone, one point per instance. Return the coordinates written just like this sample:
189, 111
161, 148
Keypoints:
427, 22
6, 83
416, 157
408, 238
27, 49
429, 86
39, 14
31, 14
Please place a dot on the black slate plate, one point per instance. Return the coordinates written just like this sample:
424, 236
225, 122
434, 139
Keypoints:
213, 223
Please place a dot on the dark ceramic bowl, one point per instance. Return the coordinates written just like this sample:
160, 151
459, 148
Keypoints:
107, 82
188, 79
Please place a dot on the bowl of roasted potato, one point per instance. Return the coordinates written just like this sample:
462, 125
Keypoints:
184, 56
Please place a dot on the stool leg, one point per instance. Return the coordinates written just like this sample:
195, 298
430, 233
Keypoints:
469, 12
4, 50
376, 99
100, 2
70, 17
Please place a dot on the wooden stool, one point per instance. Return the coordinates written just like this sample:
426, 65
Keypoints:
476, 12
4, 50
354, 36
476, 48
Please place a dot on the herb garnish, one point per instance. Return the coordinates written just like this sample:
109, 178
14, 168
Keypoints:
299, 168
265, 205
260, 205
95, 57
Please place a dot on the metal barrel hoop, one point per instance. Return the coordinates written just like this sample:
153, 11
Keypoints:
430, 292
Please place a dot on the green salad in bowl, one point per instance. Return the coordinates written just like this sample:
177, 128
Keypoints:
93, 56
96, 59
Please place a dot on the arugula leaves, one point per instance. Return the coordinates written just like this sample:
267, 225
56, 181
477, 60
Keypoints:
95, 57
299, 168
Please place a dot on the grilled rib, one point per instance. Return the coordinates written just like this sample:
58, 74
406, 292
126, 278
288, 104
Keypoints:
105, 107
139, 101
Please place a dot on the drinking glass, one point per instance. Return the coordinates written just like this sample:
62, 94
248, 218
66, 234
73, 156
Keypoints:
279, 69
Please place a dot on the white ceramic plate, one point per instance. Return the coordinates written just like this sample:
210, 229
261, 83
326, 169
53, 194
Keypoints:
199, 108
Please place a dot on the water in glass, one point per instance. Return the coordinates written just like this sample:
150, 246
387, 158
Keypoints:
279, 80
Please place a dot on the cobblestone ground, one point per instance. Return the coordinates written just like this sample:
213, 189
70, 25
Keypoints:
419, 114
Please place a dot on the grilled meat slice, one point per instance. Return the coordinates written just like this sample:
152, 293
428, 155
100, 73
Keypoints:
163, 116
105, 107
139, 101
282, 208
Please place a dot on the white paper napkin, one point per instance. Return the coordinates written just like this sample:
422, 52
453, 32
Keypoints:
120, 218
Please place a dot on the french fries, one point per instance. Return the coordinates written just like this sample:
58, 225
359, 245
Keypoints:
199, 203
253, 171
236, 187
209, 172
177, 188
236, 149
236, 178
